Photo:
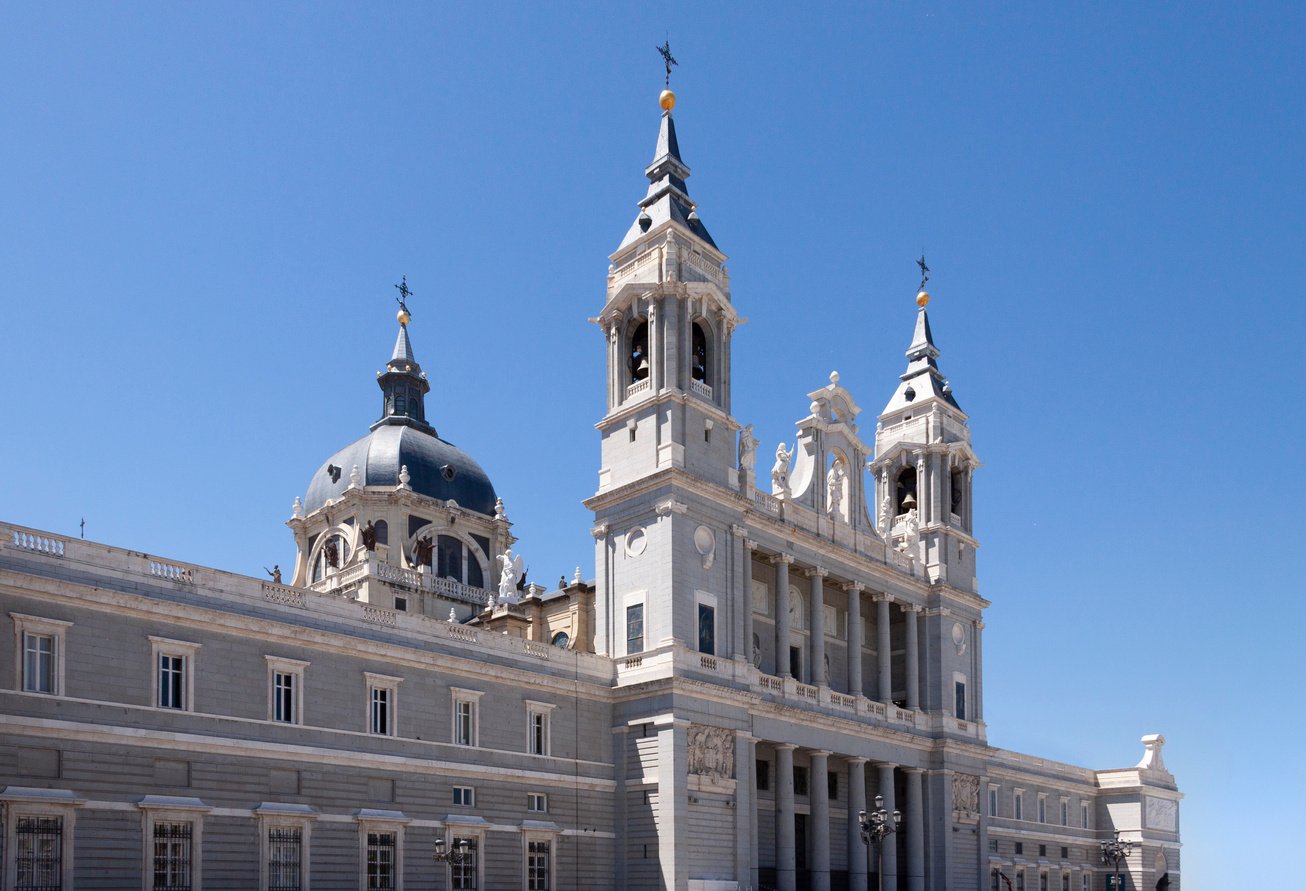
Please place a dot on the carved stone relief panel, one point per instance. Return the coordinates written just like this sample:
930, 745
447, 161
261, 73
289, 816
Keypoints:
965, 793
1163, 814
711, 751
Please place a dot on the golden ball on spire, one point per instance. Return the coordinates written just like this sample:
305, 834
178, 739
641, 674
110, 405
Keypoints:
403, 317
667, 100
922, 298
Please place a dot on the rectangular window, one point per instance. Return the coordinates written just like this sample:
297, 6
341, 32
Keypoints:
537, 728
635, 628
379, 711
38, 663
1042, 809
763, 775
1065, 853
464, 796
1065, 812
38, 854
796, 663
172, 681
382, 862
1019, 802
537, 802
1020, 880
993, 801
1042, 881
1083, 815
283, 697
800, 780
285, 858
1085, 882
995, 881
537, 865
1065, 881
465, 717
959, 689
1042, 850
464, 876
172, 856
1020, 847
706, 629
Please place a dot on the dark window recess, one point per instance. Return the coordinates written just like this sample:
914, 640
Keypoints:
961, 701
800, 780
382, 529
450, 558
1065, 853
698, 353
447, 471
764, 775
706, 629
796, 663
415, 523
1020, 847
832, 785
637, 360
1042, 850
635, 628
475, 577
958, 490
906, 491
401, 604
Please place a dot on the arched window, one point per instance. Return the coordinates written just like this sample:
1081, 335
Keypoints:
637, 360
958, 490
333, 555
382, 532
698, 353
561, 640
905, 498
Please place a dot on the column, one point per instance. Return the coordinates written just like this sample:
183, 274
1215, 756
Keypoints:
786, 878
655, 350
743, 586
818, 792
910, 611
816, 675
782, 562
913, 819
890, 848
978, 671
856, 804
854, 590
745, 806
673, 804
619, 803
882, 645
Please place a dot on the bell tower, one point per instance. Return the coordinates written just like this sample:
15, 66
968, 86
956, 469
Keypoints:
668, 320
923, 465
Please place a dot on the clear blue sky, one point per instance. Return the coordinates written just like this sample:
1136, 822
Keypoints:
204, 206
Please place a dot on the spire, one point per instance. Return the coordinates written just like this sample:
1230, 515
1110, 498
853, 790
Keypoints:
667, 199
922, 381
403, 384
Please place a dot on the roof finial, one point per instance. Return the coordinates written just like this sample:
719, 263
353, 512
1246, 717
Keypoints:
923, 296
402, 300
667, 99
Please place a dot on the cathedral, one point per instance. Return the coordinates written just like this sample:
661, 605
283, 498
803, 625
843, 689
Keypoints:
774, 679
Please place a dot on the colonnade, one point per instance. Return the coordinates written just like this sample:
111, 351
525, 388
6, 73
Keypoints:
880, 678
861, 867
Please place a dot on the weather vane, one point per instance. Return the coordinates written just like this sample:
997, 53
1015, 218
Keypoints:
404, 294
925, 271
667, 59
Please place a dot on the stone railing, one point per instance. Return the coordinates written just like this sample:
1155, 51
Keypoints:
274, 593
173, 572
702, 264
458, 632
771, 684
843, 700
648, 258
700, 388
378, 616
807, 691
639, 387
767, 502
38, 543
707, 663
537, 649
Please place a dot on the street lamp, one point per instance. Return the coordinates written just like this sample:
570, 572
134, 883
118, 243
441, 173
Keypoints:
1113, 852
462, 849
875, 826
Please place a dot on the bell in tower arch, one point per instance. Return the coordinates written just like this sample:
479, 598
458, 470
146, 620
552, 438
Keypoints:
638, 358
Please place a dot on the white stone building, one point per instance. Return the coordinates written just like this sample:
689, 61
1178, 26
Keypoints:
750, 666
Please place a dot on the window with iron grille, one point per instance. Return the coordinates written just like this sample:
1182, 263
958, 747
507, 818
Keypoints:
285, 856
537, 865
382, 864
463, 876
172, 681
172, 856
38, 854
38, 663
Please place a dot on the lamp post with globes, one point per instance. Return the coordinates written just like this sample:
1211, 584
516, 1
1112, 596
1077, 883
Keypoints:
1113, 852
876, 825
461, 851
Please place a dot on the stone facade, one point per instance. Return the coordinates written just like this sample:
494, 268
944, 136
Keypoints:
749, 668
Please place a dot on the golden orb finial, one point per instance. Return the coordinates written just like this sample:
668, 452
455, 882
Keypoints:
922, 298
667, 100
403, 317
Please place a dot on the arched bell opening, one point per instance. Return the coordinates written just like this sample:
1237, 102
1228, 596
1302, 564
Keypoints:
331, 555
448, 556
958, 489
905, 491
698, 354
637, 362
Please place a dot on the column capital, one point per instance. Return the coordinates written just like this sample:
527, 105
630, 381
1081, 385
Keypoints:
881, 597
600, 531
855, 759
782, 558
912, 608
913, 770
854, 587
741, 531
883, 764
980, 626
819, 753
750, 545
784, 747
817, 572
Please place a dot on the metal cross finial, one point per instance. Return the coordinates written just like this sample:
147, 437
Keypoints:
925, 271
404, 294
667, 59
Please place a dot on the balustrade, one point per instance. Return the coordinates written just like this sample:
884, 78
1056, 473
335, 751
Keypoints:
37, 543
